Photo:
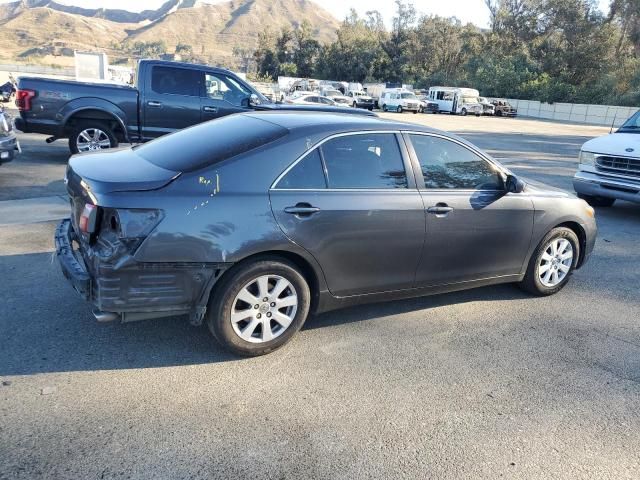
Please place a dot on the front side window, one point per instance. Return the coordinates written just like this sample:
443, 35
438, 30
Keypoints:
176, 81
221, 87
370, 160
449, 165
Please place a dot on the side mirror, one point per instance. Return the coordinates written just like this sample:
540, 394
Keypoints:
514, 185
254, 100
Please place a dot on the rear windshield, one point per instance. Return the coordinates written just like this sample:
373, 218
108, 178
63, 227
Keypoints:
209, 143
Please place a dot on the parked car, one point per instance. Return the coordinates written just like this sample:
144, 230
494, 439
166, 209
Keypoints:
253, 221
609, 166
400, 100
311, 99
428, 106
503, 108
170, 96
488, 108
337, 96
7, 92
9, 145
360, 99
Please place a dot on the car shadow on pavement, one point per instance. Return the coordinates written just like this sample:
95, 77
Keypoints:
46, 327
371, 311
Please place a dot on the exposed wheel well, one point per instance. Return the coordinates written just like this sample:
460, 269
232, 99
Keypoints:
582, 238
102, 116
300, 262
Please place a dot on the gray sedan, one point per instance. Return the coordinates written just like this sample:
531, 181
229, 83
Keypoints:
251, 222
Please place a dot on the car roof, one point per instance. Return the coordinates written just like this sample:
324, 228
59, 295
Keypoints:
335, 122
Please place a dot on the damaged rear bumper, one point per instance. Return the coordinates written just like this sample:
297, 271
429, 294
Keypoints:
119, 288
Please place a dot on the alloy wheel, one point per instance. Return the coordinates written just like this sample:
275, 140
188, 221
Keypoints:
555, 262
264, 308
91, 139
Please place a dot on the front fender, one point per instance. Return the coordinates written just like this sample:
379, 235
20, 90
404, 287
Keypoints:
93, 103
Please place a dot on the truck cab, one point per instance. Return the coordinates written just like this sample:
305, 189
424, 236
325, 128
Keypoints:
609, 166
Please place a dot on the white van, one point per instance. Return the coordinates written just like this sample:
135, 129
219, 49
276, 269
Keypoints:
399, 100
454, 100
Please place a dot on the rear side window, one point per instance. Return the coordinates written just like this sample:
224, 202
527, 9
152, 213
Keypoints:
371, 160
209, 143
176, 81
306, 174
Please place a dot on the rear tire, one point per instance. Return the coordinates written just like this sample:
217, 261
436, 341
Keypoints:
75, 142
547, 259
242, 281
597, 201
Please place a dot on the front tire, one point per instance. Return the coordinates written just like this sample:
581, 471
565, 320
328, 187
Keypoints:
91, 135
384, 107
597, 201
399, 109
552, 263
464, 112
259, 306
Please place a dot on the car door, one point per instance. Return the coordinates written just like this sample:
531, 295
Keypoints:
223, 95
171, 100
475, 228
352, 202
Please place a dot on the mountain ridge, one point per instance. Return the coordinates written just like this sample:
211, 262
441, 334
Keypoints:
44, 31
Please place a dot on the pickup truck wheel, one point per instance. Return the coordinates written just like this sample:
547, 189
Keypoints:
597, 201
89, 136
552, 263
259, 306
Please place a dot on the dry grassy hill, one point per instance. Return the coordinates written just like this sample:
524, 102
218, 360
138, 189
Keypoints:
46, 32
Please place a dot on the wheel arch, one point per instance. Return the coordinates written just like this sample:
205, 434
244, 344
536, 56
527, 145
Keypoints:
309, 272
98, 110
576, 228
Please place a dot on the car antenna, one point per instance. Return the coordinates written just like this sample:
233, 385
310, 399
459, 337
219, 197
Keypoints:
613, 123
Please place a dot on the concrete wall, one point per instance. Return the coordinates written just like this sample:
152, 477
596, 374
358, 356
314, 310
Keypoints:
605, 115
36, 71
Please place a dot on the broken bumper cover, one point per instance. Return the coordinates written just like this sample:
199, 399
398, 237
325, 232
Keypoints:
72, 268
120, 288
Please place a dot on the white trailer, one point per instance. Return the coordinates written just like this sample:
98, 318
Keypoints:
455, 100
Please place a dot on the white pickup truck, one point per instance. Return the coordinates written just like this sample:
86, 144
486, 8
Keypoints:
609, 167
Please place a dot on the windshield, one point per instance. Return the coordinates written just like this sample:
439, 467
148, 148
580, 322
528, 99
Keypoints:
409, 95
469, 99
631, 125
332, 93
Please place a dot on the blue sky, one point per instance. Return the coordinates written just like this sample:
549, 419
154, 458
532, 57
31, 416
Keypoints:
466, 10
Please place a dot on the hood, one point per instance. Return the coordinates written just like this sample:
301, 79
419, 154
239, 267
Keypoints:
535, 187
616, 144
312, 108
116, 171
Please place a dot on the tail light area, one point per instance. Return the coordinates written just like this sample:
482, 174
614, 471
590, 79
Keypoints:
23, 99
110, 233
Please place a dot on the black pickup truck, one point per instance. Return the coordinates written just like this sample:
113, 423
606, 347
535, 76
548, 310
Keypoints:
169, 96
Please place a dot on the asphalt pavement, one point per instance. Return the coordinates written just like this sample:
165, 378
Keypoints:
487, 383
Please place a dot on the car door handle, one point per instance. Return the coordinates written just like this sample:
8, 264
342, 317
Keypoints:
440, 209
210, 109
302, 209
153, 103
